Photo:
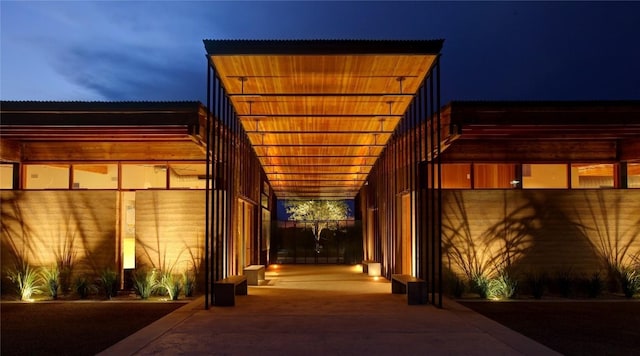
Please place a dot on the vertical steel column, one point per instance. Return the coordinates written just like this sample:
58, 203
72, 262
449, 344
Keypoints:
207, 190
229, 204
415, 165
413, 194
218, 179
431, 194
439, 202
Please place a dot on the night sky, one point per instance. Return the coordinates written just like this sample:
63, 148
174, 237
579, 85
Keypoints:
154, 51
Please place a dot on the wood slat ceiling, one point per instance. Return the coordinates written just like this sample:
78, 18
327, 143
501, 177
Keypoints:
318, 122
98, 131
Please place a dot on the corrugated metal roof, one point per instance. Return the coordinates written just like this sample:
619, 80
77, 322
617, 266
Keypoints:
97, 106
540, 103
306, 47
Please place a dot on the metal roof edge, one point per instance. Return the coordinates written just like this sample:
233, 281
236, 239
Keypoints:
319, 47
33, 105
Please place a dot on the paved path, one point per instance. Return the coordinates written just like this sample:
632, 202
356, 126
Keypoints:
325, 310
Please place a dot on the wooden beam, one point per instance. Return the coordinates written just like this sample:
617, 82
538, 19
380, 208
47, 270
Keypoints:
530, 151
10, 151
629, 150
110, 151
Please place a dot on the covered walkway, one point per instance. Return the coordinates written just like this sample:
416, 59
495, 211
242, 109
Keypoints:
325, 310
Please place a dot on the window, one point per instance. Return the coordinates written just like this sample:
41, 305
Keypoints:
544, 176
187, 176
497, 175
6, 176
592, 176
456, 175
95, 176
633, 175
144, 176
43, 176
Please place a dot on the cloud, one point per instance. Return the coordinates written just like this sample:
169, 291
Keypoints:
128, 73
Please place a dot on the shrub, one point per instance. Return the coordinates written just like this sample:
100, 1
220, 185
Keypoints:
83, 287
171, 285
630, 280
537, 283
594, 285
188, 283
480, 285
145, 283
109, 281
25, 280
564, 280
50, 278
503, 286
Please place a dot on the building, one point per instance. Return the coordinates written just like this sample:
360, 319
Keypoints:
522, 184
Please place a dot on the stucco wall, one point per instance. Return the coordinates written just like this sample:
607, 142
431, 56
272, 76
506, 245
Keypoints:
540, 230
43, 226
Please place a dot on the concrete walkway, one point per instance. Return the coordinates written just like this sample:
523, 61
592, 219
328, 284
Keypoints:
325, 310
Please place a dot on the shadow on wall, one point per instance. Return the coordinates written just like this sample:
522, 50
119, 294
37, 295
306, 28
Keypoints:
612, 224
482, 241
170, 232
539, 230
72, 230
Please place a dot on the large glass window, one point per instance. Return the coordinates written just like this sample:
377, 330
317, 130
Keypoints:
544, 176
494, 175
144, 176
633, 175
44, 176
95, 176
6, 176
456, 175
592, 176
187, 176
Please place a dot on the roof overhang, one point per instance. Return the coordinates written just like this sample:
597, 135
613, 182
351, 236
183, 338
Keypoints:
97, 131
319, 113
543, 131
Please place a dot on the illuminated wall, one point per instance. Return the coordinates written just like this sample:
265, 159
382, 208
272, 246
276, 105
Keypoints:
540, 230
170, 229
42, 226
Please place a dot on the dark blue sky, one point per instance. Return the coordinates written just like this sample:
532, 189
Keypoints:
154, 51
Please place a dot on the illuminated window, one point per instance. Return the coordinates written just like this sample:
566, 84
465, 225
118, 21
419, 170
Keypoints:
43, 176
592, 176
95, 176
6, 176
456, 175
493, 175
187, 176
544, 176
144, 176
633, 175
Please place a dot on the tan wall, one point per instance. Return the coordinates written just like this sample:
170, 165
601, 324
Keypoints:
37, 225
540, 230
170, 229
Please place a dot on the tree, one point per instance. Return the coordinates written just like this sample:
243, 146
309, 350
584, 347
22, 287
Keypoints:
321, 214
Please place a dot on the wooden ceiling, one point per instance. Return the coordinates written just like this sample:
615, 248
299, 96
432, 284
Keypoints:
318, 122
97, 131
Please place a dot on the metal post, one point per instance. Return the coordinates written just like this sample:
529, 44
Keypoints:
207, 191
432, 191
439, 226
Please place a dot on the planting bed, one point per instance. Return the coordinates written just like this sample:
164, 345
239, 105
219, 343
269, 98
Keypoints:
74, 327
571, 327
